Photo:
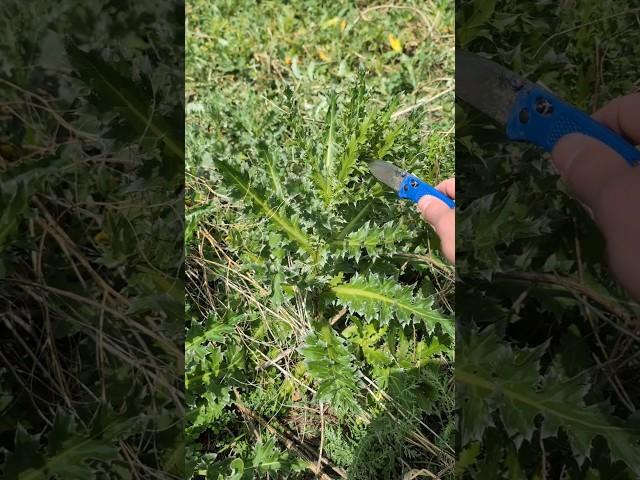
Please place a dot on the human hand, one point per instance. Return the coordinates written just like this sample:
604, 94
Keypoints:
442, 218
608, 187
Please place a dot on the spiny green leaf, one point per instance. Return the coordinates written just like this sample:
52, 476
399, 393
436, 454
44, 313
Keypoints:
269, 158
329, 157
192, 219
67, 456
367, 337
482, 12
237, 179
132, 102
25, 456
381, 299
267, 458
354, 222
467, 457
389, 140
332, 365
495, 377
348, 159
375, 240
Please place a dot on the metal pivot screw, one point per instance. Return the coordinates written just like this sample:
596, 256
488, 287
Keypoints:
543, 106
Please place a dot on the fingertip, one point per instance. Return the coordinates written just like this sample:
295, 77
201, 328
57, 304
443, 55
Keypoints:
448, 187
586, 166
566, 151
424, 202
432, 209
621, 115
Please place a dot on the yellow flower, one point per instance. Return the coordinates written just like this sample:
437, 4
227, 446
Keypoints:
331, 22
324, 56
343, 24
395, 43
101, 237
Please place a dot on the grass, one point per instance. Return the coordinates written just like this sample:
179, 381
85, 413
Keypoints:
285, 104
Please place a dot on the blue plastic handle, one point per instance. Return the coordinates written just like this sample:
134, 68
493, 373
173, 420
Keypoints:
540, 118
414, 189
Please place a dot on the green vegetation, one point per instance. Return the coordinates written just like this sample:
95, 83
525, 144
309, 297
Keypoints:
319, 313
91, 274
547, 370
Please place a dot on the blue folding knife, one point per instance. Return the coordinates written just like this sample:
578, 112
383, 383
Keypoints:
530, 113
405, 184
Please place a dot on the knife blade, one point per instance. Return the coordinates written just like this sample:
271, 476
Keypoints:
487, 86
529, 112
406, 185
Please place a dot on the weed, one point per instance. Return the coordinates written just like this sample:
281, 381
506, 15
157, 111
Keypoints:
319, 312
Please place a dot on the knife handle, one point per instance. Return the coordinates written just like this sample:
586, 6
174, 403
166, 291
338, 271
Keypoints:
541, 118
414, 189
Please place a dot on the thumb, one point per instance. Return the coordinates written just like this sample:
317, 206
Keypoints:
587, 166
601, 179
443, 220
433, 211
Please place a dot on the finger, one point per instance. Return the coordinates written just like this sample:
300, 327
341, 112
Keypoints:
448, 187
587, 166
621, 115
443, 220
433, 211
